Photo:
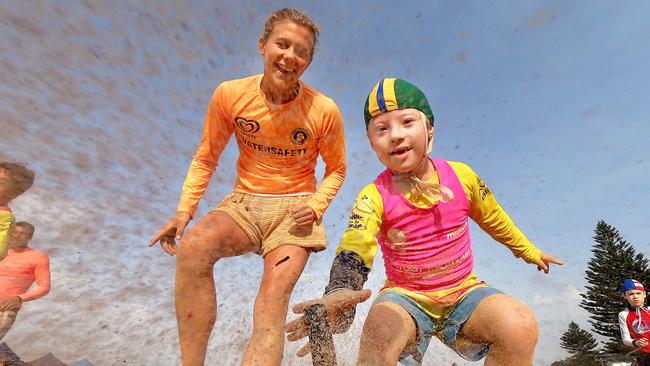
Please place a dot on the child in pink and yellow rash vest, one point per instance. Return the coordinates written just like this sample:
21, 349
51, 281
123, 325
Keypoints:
417, 212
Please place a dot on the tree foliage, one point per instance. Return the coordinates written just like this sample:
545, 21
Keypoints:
578, 341
613, 261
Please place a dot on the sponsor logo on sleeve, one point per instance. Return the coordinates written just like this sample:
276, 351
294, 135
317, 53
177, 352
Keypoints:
482, 188
361, 213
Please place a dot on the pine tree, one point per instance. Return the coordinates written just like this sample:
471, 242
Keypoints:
614, 260
578, 341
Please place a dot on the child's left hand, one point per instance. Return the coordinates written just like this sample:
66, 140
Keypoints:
640, 343
303, 215
545, 261
338, 303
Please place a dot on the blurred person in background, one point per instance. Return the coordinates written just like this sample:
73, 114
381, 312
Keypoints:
18, 271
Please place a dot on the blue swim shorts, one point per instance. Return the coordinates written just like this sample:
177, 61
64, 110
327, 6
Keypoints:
445, 329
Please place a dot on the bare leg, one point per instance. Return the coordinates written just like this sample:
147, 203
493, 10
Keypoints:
266, 345
388, 330
215, 236
508, 326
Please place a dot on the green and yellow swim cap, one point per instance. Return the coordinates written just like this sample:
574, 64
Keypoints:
390, 94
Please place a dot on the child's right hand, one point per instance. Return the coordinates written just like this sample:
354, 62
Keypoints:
303, 215
173, 230
338, 303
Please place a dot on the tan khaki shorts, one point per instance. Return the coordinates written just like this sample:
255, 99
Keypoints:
7, 319
266, 221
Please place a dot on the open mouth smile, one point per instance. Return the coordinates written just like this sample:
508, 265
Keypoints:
400, 151
284, 71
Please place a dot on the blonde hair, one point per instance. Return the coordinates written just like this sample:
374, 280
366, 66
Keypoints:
292, 15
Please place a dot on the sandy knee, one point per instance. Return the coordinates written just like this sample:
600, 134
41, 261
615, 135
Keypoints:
387, 331
386, 319
282, 269
191, 256
517, 330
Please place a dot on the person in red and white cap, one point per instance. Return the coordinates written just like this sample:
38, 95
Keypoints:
635, 321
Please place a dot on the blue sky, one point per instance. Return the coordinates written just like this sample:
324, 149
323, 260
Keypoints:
547, 101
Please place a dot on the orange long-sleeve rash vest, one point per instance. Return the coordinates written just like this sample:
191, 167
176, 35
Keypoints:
278, 144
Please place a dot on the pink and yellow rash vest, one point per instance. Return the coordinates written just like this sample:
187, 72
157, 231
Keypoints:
426, 245
425, 249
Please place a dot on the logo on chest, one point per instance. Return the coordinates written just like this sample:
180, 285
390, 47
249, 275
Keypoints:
248, 126
396, 239
640, 326
299, 136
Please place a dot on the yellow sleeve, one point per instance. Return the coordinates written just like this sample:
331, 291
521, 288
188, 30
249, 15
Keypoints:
216, 133
364, 225
491, 217
332, 150
7, 222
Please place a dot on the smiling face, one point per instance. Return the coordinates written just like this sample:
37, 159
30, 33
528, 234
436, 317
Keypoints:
399, 139
636, 298
287, 53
